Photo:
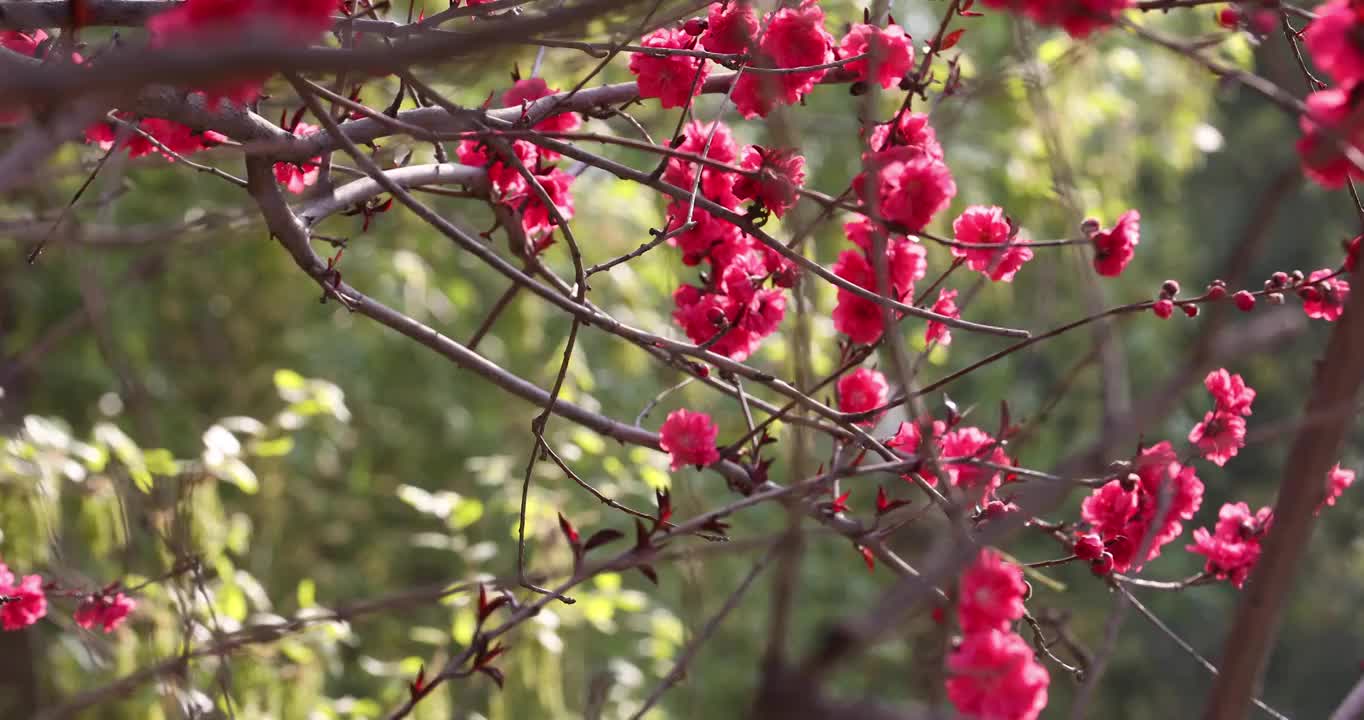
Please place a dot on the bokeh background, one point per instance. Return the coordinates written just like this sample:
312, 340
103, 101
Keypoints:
357, 463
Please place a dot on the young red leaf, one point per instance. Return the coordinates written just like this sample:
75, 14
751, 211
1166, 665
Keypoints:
665, 507
491, 653
417, 687
882, 502
495, 674
867, 557
952, 38
840, 503
602, 537
649, 572
569, 531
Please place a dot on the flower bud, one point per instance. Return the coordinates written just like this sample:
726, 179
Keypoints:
1277, 280
1216, 291
1229, 18
1163, 309
1190, 310
1088, 546
1102, 565
1089, 226
694, 26
1274, 298
1245, 302
1169, 288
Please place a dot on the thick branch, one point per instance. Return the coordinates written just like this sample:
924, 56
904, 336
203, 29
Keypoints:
1251, 637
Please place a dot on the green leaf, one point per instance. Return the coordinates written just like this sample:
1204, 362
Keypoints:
307, 593
161, 462
289, 384
236, 472
467, 512
272, 448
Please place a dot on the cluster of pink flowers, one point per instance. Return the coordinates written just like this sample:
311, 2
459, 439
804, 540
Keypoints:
994, 673
1332, 41
742, 299
689, 438
1077, 17
107, 609
24, 603
299, 176
791, 38
218, 21
179, 139
1127, 512
861, 391
511, 188
1336, 481
1223, 430
959, 444
978, 228
855, 316
1325, 295
1114, 248
1233, 547
29, 44
172, 135
910, 182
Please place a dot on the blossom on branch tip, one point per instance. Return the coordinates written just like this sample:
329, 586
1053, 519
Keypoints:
1124, 511
107, 611
1329, 299
856, 316
1079, 18
199, 22
673, 79
947, 306
862, 390
909, 187
26, 602
689, 438
1233, 547
174, 137
909, 130
991, 594
1337, 479
972, 443
1327, 112
730, 27
891, 53
1230, 392
1219, 436
994, 675
28, 44
987, 225
1114, 249
1332, 39
297, 177
528, 90
777, 174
